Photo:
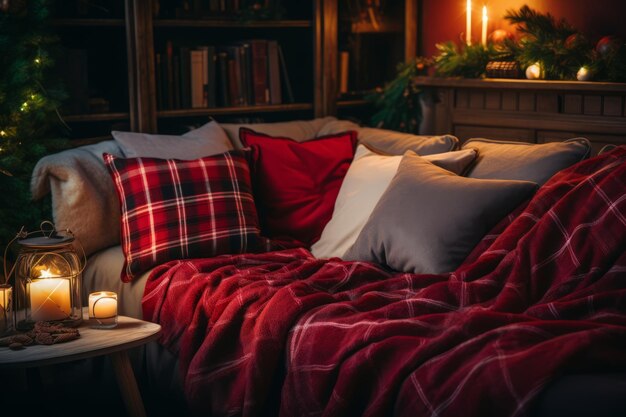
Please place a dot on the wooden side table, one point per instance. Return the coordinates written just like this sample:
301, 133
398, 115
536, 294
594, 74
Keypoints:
115, 343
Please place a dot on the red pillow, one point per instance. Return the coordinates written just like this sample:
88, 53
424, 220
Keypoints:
173, 209
296, 183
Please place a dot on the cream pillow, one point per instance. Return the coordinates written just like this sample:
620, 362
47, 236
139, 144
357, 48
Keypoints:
367, 179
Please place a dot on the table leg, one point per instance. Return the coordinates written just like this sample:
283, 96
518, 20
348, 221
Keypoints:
127, 384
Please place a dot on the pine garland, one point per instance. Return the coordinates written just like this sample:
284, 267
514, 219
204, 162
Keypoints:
399, 101
29, 122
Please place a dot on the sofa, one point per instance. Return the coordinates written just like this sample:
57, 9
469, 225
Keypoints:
398, 240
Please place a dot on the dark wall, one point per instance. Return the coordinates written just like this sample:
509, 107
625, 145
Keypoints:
445, 19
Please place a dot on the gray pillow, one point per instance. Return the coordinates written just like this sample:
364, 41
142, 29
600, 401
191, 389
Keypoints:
298, 130
429, 219
209, 139
525, 161
392, 142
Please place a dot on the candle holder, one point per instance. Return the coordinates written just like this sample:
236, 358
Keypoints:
103, 310
48, 275
7, 319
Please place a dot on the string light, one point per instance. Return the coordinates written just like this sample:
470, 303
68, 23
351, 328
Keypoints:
37, 60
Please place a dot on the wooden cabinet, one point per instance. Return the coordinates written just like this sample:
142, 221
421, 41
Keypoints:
525, 110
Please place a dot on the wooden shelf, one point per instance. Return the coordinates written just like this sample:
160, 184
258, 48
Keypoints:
352, 103
383, 27
88, 22
95, 117
235, 110
536, 85
198, 23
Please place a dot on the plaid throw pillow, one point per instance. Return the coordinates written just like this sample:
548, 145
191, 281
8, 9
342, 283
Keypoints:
173, 209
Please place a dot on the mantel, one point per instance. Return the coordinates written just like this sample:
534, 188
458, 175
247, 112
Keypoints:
525, 110
519, 84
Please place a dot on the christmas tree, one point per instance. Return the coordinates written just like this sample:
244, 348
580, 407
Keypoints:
30, 124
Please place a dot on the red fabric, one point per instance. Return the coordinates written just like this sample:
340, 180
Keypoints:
296, 183
175, 209
284, 333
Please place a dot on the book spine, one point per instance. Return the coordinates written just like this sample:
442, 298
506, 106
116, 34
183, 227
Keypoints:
285, 76
197, 86
247, 67
185, 78
211, 76
259, 71
222, 63
274, 73
177, 82
169, 49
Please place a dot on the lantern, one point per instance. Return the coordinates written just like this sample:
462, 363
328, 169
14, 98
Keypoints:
6, 309
48, 275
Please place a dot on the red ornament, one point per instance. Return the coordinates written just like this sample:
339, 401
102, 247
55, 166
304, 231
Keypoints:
573, 40
608, 45
500, 35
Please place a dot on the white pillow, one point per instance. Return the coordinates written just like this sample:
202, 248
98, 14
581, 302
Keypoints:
209, 139
367, 179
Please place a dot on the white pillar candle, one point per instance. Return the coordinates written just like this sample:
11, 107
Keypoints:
50, 299
468, 24
485, 20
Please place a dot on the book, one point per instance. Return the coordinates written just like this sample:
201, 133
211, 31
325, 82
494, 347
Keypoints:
222, 78
259, 71
248, 90
344, 62
197, 79
185, 78
169, 72
211, 76
159, 81
273, 69
176, 68
285, 76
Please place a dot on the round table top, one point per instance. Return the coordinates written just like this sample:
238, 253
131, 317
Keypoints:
128, 333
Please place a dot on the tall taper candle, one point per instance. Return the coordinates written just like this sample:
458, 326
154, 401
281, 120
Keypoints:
468, 28
485, 19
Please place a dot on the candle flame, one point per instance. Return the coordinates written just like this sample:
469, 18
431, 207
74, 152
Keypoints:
46, 273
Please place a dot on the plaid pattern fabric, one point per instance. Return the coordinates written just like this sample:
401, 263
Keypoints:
325, 337
173, 209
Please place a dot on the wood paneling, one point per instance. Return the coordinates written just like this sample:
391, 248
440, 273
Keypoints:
526, 111
411, 22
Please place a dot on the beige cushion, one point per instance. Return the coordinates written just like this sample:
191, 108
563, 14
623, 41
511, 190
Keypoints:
367, 179
429, 219
525, 161
209, 139
298, 130
391, 142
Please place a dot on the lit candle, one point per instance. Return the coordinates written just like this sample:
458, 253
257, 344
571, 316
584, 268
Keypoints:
485, 19
50, 298
468, 29
6, 294
103, 308
6, 320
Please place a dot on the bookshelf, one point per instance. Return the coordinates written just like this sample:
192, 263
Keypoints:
367, 47
92, 63
120, 83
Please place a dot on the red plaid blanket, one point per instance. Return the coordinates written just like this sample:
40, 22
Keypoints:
285, 333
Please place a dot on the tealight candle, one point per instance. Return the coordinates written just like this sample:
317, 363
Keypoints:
103, 309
